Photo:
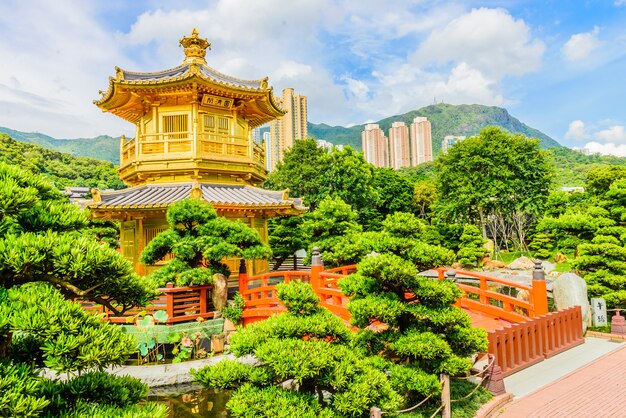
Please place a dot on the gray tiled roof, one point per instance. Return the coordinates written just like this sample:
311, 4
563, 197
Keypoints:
153, 195
183, 71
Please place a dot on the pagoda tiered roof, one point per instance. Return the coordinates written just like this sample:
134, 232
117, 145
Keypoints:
220, 195
130, 94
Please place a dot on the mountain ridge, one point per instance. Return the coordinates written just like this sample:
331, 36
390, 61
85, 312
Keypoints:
102, 147
446, 119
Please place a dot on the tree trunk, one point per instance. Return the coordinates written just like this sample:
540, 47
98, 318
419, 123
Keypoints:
483, 225
5, 345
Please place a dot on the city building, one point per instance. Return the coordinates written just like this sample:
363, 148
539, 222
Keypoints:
193, 140
268, 154
375, 145
421, 141
256, 135
449, 141
399, 149
290, 127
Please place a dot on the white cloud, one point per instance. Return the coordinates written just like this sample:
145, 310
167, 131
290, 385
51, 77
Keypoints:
577, 131
615, 134
620, 2
618, 150
488, 40
610, 140
581, 45
354, 60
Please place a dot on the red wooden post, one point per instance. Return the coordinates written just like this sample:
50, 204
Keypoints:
203, 290
317, 266
540, 294
169, 301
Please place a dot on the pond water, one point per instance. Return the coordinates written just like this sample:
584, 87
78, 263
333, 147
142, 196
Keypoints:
187, 401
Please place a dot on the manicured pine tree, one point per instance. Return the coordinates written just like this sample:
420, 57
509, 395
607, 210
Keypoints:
471, 248
46, 256
306, 366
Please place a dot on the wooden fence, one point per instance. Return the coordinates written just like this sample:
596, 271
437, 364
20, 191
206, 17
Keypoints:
182, 304
521, 345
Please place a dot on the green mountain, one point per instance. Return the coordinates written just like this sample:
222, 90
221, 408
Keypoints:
102, 147
61, 168
445, 119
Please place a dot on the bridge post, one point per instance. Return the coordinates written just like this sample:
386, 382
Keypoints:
317, 266
540, 293
243, 277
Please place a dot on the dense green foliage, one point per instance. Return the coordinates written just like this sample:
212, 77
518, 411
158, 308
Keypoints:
496, 180
591, 228
446, 119
315, 173
572, 166
432, 335
310, 347
46, 255
334, 230
200, 241
62, 169
102, 147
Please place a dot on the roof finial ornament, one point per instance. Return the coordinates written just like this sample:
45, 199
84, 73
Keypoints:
195, 48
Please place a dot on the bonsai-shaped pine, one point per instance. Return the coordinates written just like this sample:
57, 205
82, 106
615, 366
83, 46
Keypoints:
200, 241
471, 248
603, 262
306, 366
414, 321
541, 245
45, 256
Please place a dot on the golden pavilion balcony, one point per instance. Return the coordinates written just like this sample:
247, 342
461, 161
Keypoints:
178, 151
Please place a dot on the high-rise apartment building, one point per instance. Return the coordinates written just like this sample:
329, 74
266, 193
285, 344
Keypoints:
450, 140
268, 153
421, 141
399, 150
375, 145
290, 127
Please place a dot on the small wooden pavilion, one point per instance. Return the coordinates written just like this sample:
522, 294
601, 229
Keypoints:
193, 139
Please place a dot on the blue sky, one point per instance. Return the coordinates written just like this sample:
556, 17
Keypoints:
559, 66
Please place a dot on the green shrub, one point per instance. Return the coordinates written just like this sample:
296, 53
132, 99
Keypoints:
234, 310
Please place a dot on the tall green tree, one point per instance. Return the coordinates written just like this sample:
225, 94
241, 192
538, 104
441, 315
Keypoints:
493, 178
315, 173
47, 256
286, 236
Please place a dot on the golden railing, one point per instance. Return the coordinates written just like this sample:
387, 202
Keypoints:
176, 145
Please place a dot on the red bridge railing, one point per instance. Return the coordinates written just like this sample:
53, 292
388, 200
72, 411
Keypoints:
533, 334
531, 301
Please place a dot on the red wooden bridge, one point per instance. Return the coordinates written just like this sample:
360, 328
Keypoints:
521, 331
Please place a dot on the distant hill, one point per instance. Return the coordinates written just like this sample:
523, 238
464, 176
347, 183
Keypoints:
101, 147
446, 119
61, 168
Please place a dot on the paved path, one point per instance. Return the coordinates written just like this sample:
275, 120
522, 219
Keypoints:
595, 390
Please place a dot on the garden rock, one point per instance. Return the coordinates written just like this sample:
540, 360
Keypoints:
494, 264
569, 290
220, 291
522, 263
560, 257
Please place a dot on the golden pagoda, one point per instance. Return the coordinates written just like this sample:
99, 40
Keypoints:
193, 139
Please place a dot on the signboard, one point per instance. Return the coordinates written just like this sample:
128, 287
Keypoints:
210, 100
598, 308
